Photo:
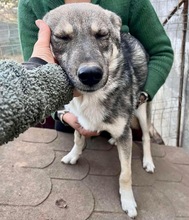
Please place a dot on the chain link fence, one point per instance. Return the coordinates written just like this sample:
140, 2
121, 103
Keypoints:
170, 114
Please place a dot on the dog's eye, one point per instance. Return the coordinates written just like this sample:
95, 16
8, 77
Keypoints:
102, 35
63, 37
66, 37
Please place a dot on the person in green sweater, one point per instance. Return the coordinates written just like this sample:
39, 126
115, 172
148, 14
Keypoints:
138, 18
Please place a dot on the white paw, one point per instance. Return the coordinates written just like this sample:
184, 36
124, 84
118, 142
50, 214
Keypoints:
148, 165
128, 203
112, 141
70, 158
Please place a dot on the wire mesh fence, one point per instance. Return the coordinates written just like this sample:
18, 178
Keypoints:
170, 115
9, 40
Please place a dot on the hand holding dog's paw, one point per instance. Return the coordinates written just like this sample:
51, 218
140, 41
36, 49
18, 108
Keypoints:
70, 158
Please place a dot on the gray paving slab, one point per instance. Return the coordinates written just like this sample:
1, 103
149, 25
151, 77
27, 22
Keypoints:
35, 185
137, 151
181, 218
184, 171
38, 135
165, 171
23, 186
67, 171
178, 195
63, 142
139, 176
153, 204
25, 154
69, 200
177, 155
19, 213
105, 192
103, 162
98, 143
108, 216
158, 150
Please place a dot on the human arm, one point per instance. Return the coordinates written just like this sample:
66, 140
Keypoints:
144, 24
29, 96
32, 91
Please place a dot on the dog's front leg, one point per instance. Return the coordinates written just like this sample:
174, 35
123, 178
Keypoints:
141, 114
124, 145
74, 154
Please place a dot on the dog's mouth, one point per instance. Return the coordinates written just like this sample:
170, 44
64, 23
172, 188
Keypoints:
87, 89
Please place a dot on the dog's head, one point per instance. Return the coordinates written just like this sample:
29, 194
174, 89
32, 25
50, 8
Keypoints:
85, 41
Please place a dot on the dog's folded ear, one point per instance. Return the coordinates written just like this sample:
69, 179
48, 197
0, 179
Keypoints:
115, 19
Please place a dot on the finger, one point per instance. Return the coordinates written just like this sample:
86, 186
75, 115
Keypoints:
44, 32
87, 133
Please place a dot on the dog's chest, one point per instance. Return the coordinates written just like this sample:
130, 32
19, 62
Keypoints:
89, 111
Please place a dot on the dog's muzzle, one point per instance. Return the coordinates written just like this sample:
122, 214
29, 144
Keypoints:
90, 75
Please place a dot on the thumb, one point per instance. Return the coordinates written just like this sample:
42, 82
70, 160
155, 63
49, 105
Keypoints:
44, 32
42, 46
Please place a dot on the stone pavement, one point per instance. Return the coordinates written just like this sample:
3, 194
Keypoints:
35, 185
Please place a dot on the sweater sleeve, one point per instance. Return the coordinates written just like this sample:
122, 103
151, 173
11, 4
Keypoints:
144, 24
27, 29
28, 12
29, 96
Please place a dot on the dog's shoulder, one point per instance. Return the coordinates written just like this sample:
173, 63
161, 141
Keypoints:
133, 51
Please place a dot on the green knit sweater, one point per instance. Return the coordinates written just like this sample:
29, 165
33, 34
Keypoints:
138, 18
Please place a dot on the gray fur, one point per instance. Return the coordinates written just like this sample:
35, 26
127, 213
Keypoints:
83, 47
87, 35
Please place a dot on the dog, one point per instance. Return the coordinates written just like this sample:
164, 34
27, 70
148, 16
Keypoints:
109, 70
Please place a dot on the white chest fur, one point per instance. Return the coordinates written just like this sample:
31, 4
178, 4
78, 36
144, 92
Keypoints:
91, 112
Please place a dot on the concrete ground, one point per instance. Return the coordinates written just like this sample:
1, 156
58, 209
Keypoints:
35, 185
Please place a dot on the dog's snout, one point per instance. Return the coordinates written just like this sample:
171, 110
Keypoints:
90, 75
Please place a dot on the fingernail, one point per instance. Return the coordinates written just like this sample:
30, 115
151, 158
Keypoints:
38, 22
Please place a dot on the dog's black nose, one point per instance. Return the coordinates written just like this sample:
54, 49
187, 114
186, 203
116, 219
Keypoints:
90, 75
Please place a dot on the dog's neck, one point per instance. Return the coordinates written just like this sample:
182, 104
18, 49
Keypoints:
76, 1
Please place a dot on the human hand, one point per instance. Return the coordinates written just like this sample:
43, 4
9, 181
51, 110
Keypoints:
42, 46
71, 119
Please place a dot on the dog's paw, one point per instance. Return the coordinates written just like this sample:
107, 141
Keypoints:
112, 141
128, 204
70, 158
148, 165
